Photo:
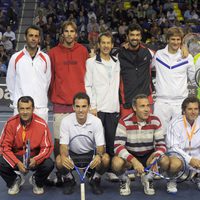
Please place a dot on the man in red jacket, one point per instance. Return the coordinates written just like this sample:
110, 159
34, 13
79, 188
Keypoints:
23, 128
68, 65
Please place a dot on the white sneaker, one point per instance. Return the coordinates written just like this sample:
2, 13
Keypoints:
125, 187
156, 177
15, 188
131, 177
36, 189
148, 185
112, 177
172, 187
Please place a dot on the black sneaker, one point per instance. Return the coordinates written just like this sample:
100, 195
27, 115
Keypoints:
49, 182
69, 185
58, 180
95, 184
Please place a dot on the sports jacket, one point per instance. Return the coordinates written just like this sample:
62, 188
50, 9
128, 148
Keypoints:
177, 139
172, 73
11, 143
135, 74
29, 77
102, 89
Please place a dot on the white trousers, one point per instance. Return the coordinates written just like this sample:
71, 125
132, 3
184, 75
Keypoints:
165, 111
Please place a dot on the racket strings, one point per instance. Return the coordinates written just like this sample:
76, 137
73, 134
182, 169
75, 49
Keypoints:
82, 160
195, 177
197, 77
170, 173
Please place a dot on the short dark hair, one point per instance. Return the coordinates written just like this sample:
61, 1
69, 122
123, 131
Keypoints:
139, 96
26, 99
189, 100
81, 95
106, 34
134, 27
37, 28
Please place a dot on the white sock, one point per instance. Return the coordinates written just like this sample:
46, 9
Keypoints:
69, 175
96, 175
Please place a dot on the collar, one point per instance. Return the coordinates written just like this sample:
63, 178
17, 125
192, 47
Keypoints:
167, 52
88, 121
98, 58
27, 53
29, 125
135, 121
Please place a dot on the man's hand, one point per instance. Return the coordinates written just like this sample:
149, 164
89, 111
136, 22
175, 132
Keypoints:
138, 167
184, 51
93, 112
67, 162
126, 45
92, 53
22, 168
195, 163
95, 162
155, 166
32, 163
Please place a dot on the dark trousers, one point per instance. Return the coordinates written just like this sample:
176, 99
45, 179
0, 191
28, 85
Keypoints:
109, 121
41, 171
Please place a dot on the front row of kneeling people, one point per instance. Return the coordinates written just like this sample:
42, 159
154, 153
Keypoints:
139, 140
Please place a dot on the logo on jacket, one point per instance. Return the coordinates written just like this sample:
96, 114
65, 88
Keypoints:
70, 62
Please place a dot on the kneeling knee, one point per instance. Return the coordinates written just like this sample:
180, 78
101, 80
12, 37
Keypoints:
117, 164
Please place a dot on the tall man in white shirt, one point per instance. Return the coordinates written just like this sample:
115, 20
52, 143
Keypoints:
102, 85
29, 73
172, 73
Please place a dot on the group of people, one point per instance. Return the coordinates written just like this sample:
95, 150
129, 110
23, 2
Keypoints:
106, 97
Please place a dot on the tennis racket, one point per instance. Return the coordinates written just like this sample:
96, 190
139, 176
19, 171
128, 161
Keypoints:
26, 156
197, 77
85, 149
190, 174
192, 41
155, 169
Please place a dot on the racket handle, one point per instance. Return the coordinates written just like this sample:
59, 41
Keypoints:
82, 187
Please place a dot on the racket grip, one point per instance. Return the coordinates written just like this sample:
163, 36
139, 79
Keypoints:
82, 187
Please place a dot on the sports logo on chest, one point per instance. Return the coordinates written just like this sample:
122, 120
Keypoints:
70, 62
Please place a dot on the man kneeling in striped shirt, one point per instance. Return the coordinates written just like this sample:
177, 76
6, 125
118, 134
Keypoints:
139, 140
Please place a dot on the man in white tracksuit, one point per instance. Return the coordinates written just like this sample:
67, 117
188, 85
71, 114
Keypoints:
102, 85
183, 136
29, 73
172, 73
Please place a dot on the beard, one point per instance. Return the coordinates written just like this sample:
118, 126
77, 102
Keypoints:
134, 43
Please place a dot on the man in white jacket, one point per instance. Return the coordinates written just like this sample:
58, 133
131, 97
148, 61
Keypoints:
183, 136
172, 73
29, 73
102, 85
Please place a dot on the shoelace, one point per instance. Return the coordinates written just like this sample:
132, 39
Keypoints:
151, 184
123, 185
171, 184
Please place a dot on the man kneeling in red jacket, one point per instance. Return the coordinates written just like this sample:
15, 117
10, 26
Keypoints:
24, 134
